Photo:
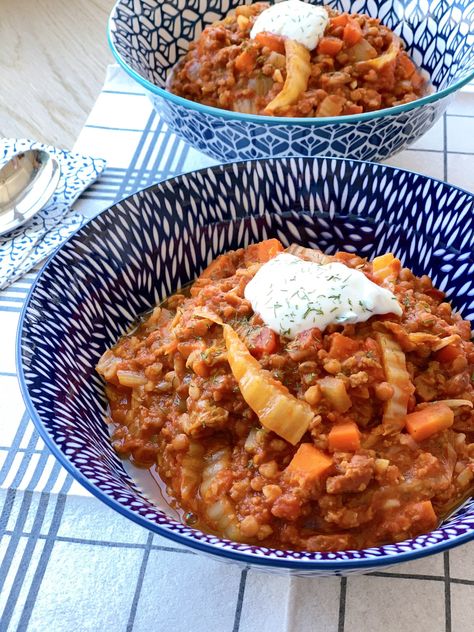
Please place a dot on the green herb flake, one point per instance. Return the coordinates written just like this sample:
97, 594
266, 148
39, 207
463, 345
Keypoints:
364, 307
275, 307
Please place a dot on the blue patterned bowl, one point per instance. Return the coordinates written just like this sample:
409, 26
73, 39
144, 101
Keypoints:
146, 247
147, 38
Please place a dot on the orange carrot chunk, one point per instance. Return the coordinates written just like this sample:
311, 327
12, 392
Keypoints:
245, 62
386, 267
221, 267
352, 33
263, 251
309, 464
339, 20
344, 437
329, 46
448, 354
271, 41
265, 342
382, 261
429, 420
342, 346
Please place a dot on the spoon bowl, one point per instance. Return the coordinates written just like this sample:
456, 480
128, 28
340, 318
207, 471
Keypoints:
27, 183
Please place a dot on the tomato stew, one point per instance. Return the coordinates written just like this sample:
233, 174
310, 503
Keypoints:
358, 66
388, 450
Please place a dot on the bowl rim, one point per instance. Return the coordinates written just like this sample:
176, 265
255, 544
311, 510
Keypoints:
259, 119
247, 557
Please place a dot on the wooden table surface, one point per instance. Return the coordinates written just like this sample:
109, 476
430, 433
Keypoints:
53, 56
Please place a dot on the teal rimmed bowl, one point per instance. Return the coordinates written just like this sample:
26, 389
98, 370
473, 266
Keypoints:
148, 37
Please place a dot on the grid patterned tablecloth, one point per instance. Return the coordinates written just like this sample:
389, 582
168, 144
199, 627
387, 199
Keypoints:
68, 563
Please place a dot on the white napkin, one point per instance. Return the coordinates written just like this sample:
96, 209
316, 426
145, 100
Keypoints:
24, 247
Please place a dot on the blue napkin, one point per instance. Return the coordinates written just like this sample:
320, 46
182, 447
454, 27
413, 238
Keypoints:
25, 247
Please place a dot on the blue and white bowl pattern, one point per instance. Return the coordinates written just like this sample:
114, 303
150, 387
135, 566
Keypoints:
146, 247
148, 37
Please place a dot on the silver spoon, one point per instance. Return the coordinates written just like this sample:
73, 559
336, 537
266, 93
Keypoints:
27, 183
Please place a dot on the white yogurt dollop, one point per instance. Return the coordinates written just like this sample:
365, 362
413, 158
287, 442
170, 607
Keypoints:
295, 20
292, 295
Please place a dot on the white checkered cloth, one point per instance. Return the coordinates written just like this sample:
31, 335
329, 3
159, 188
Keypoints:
68, 563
